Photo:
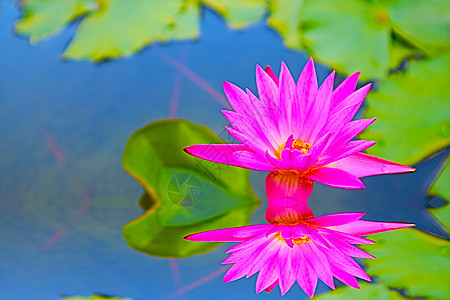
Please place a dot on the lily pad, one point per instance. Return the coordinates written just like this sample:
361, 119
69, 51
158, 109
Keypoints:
285, 18
411, 260
441, 186
442, 214
239, 13
121, 28
423, 23
368, 291
412, 112
42, 18
349, 36
185, 194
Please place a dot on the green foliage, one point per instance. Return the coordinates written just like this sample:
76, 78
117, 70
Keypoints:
285, 18
185, 194
442, 214
238, 13
412, 110
422, 23
441, 186
349, 36
367, 291
412, 260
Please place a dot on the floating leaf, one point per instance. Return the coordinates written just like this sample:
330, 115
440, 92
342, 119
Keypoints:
350, 36
239, 13
121, 28
412, 260
412, 112
441, 186
442, 214
423, 23
368, 291
42, 18
185, 194
285, 18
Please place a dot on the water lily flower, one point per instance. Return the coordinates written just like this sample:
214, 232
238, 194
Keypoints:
315, 248
299, 128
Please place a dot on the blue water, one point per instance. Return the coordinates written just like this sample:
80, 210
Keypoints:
63, 126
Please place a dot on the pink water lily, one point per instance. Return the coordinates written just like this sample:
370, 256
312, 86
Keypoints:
316, 248
299, 128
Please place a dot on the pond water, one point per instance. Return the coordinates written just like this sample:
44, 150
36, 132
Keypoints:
64, 196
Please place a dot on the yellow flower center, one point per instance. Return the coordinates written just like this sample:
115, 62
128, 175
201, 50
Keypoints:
296, 241
296, 144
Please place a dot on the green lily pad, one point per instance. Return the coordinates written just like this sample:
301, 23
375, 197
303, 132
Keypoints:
285, 18
368, 291
423, 23
42, 18
441, 186
411, 260
95, 297
442, 214
349, 36
121, 28
185, 194
239, 13
412, 112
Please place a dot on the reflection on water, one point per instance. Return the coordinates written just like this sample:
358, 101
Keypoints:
64, 196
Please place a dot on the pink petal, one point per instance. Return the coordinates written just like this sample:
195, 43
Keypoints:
317, 114
332, 233
287, 271
361, 165
287, 195
362, 227
349, 131
268, 92
282, 164
345, 150
306, 91
345, 89
306, 277
248, 127
265, 254
318, 147
251, 160
262, 113
272, 286
288, 98
251, 143
268, 274
272, 75
319, 262
356, 98
336, 178
236, 271
345, 277
235, 234
238, 98
220, 153
336, 219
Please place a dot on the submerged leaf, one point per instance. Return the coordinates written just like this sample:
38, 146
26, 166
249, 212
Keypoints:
412, 260
368, 291
412, 112
185, 194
